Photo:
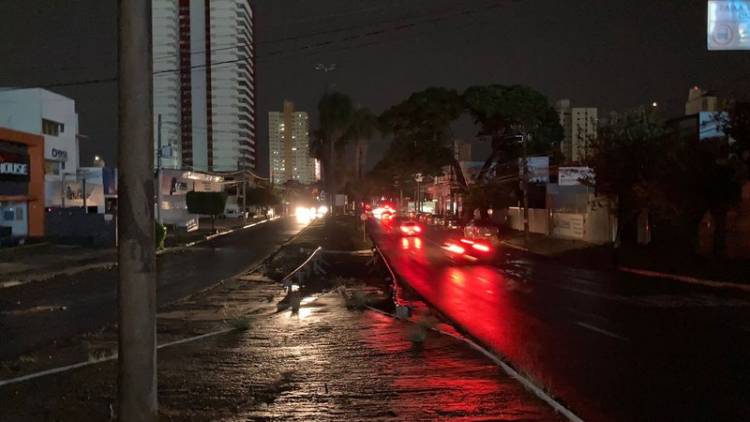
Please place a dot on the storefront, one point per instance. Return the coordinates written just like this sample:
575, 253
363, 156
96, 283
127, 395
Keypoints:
21, 184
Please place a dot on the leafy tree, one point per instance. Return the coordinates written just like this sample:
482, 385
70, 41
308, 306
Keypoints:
420, 127
206, 203
504, 111
625, 158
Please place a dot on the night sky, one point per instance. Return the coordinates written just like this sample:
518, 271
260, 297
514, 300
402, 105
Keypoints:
608, 54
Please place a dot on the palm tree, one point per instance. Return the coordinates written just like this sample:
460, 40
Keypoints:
363, 127
335, 111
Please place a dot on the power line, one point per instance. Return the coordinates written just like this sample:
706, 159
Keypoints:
260, 58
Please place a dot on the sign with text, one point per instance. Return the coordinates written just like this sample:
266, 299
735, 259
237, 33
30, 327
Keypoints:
14, 167
569, 226
728, 25
572, 176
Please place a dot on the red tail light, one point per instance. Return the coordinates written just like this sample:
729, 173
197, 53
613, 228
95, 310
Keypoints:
467, 241
480, 247
455, 248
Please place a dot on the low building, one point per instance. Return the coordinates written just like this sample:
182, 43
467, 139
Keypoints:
53, 116
21, 184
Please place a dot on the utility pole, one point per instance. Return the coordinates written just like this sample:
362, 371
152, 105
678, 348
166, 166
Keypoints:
524, 137
159, 153
136, 257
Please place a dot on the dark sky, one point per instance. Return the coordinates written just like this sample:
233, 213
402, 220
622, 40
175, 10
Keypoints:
608, 54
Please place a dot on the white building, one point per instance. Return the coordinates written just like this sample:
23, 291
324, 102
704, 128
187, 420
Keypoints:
289, 139
580, 128
54, 116
204, 83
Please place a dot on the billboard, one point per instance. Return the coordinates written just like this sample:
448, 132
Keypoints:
538, 169
728, 25
572, 176
711, 124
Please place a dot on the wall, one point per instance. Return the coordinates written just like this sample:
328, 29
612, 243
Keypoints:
538, 219
73, 225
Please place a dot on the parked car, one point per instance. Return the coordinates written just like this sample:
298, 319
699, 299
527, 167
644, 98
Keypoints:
439, 220
452, 223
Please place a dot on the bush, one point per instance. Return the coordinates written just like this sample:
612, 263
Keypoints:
160, 235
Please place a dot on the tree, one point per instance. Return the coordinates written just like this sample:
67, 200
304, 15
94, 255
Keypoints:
363, 127
421, 131
206, 203
335, 112
505, 111
625, 158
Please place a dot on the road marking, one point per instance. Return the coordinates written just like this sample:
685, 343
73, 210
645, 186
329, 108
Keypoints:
686, 279
602, 331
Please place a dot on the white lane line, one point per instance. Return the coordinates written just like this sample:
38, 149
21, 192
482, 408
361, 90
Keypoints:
602, 331
104, 359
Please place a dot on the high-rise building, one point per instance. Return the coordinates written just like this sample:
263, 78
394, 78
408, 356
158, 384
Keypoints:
580, 126
204, 83
289, 151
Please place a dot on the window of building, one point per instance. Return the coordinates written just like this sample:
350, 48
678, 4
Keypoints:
50, 127
19, 214
9, 215
52, 167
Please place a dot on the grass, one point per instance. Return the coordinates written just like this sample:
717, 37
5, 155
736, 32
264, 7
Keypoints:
235, 319
239, 323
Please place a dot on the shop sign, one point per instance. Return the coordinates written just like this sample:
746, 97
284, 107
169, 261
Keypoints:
59, 154
14, 167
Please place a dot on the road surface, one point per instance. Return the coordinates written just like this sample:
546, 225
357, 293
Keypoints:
38, 313
611, 346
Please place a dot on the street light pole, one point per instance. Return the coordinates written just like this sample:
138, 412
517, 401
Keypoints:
136, 255
524, 137
159, 153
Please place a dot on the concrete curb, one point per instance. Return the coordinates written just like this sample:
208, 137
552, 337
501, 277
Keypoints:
498, 359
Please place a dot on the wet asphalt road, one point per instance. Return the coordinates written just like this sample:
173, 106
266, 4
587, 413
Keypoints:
32, 315
611, 346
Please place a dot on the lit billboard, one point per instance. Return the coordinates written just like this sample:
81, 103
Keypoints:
728, 25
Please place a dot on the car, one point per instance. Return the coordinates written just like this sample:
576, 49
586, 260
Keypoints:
452, 223
469, 250
439, 220
410, 228
481, 229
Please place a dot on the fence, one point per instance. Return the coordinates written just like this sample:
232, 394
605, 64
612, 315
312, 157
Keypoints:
594, 226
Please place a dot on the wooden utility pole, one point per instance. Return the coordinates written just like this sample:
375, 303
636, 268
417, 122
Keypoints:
136, 255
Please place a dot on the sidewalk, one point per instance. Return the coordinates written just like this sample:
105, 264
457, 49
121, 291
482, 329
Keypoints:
653, 259
324, 362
